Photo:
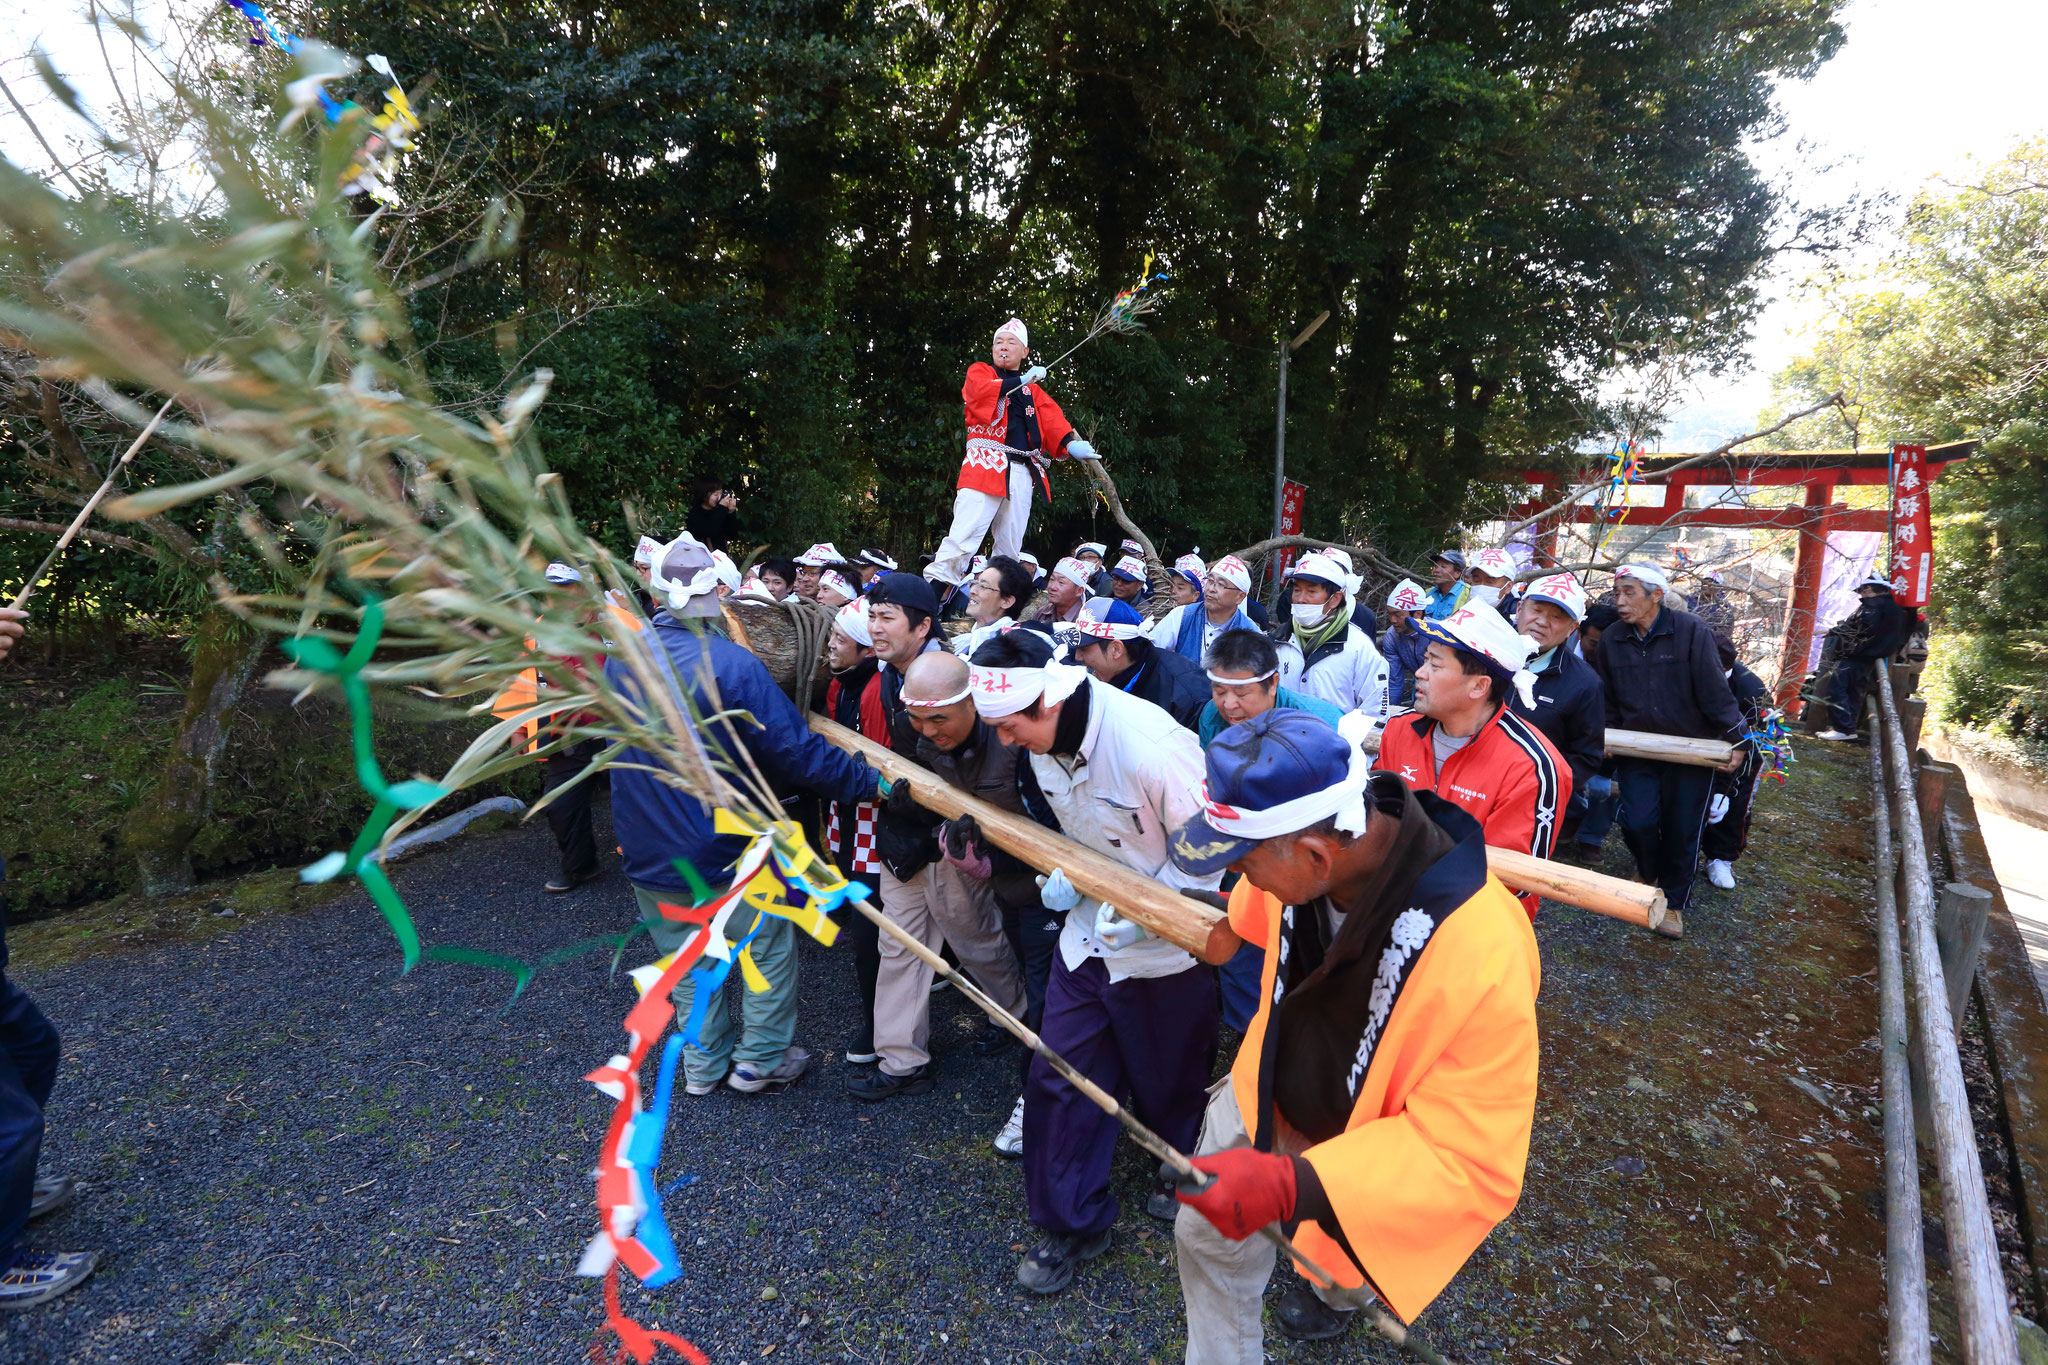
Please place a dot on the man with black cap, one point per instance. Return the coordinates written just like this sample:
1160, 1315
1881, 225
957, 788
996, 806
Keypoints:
1381, 1106
656, 824
1874, 633
918, 891
1463, 742
1133, 1013
1109, 641
1449, 591
1663, 675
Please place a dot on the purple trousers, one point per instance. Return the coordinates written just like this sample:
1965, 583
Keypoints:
1149, 1041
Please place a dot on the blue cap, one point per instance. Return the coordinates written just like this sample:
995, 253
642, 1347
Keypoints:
1113, 611
1125, 574
1277, 756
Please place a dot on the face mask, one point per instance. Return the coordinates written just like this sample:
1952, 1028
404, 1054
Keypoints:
1307, 614
1488, 595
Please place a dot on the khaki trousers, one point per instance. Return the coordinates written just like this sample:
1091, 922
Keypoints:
1223, 1282
941, 904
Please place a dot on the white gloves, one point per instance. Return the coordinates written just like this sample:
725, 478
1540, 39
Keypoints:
1081, 450
1056, 892
1717, 808
1114, 931
1034, 375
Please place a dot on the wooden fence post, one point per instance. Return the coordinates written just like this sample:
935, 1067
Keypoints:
1959, 917
1930, 790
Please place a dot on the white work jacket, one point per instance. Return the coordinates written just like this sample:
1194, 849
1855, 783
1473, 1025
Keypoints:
1137, 779
1352, 678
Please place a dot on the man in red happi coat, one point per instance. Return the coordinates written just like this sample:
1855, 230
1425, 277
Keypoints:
1013, 429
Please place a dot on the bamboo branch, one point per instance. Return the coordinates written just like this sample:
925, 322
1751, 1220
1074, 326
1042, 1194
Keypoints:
71, 531
51, 528
1360, 554
1831, 401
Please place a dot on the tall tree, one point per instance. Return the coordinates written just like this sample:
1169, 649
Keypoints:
1944, 340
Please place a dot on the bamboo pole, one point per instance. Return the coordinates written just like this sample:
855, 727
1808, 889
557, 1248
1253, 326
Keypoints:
1188, 923
1981, 1311
1383, 1322
85, 512
1905, 1259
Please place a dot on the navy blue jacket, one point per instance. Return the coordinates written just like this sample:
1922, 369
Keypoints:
1170, 681
1876, 631
1404, 654
656, 824
1668, 682
1362, 617
1571, 711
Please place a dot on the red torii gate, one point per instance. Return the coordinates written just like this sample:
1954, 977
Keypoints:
1820, 472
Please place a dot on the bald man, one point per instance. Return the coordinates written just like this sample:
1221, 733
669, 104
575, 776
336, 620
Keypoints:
952, 901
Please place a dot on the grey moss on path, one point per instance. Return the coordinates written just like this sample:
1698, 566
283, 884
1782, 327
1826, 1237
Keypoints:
296, 1155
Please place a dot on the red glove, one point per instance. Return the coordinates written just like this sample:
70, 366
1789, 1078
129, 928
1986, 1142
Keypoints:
1250, 1190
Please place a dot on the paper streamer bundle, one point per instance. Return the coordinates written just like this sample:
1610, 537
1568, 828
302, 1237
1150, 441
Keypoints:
777, 875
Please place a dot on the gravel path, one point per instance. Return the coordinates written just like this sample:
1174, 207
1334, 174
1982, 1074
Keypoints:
295, 1155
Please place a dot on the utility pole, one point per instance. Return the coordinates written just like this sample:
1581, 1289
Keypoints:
1280, 418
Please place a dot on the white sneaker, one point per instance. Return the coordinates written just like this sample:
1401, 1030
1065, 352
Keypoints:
1833, 734
1721, 873
749, 1079
1010, 1142
701, 1088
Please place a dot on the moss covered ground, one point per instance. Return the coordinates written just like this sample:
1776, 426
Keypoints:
83, 738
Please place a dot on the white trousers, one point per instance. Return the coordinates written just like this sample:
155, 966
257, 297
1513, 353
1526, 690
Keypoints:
974, 514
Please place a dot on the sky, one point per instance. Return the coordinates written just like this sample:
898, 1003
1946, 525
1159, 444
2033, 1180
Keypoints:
1922, 88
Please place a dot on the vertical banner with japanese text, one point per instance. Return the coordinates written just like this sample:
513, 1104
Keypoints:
1912, 535
1291, 495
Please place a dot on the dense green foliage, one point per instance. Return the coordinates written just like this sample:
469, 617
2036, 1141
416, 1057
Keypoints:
1943, 341
805, 217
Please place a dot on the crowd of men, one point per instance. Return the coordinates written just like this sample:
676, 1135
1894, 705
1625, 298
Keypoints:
1330, 784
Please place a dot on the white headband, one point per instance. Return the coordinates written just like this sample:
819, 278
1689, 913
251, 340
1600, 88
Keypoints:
1000, 692
961, 695
1345, 800
1240, 682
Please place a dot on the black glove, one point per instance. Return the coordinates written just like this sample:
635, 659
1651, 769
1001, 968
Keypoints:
1211, 898
963, 837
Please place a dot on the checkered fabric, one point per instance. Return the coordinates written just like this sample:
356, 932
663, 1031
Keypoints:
862, 861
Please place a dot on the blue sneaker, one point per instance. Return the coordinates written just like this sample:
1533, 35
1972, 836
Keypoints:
39, 1276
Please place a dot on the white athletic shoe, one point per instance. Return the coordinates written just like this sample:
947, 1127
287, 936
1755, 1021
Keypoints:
1835, 735
1010, 1142
1721, 873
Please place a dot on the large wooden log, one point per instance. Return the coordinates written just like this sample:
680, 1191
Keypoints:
1168, 914
1189, 923
1700, 753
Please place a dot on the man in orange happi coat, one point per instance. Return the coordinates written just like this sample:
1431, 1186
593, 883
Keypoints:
1013, 429
1380, 1107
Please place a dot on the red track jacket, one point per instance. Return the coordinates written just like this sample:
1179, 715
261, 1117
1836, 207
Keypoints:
1509, 778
